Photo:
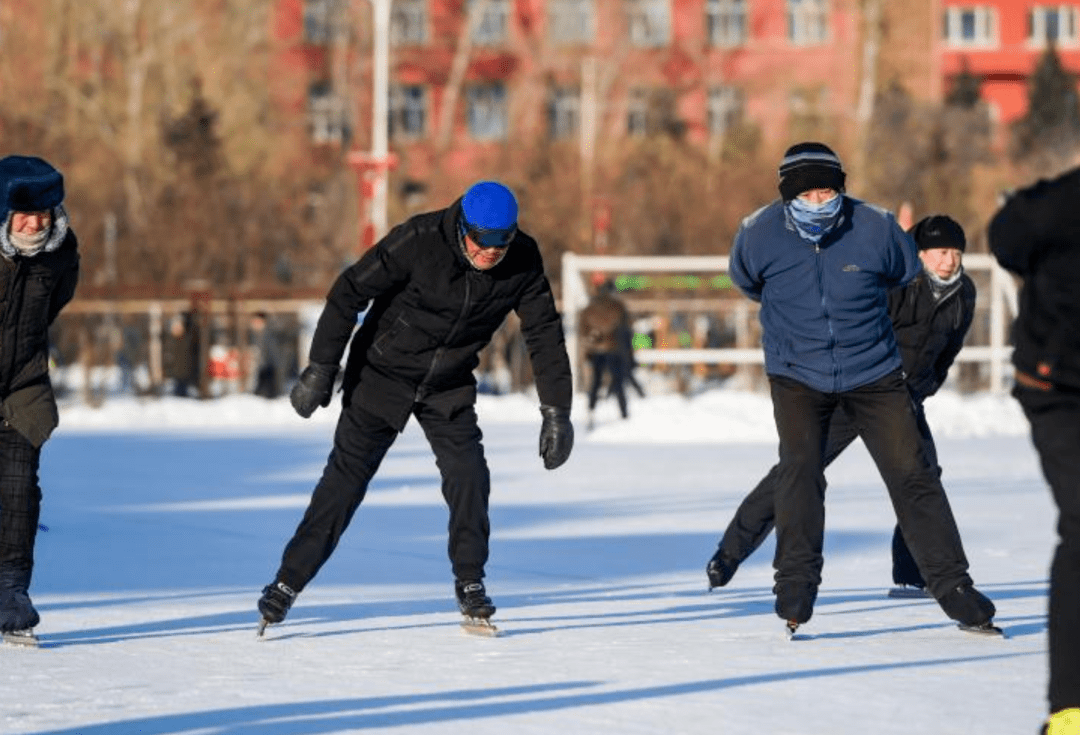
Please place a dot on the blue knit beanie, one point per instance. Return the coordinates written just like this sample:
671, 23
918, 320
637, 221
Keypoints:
28, 184
489, 214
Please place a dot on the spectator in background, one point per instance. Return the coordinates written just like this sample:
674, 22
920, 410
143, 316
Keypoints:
604, 325
265, 357
1036, 235
39, 269
181, 356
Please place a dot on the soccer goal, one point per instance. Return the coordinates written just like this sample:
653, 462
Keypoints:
695, 288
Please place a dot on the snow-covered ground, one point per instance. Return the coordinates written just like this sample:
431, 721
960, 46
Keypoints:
166, 518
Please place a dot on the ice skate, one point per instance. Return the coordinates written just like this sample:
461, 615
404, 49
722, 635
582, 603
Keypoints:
24, 638
476, 607
274, 604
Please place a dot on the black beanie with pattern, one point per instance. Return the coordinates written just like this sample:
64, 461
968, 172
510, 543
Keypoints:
809, 166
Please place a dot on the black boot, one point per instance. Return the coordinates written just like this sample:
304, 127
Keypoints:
472, 599
795, 601
275, 602
967, 606
720, 569
16, 610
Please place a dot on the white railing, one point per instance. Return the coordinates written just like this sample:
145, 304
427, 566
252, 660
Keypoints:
576, 270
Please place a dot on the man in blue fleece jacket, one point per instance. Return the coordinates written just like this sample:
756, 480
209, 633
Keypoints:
821, 265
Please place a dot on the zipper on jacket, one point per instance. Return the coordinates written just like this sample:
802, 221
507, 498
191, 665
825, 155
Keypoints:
828, 320
441, 350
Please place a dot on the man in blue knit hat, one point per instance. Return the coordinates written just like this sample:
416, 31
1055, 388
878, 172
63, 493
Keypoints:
434, 290
39, 268
821, 264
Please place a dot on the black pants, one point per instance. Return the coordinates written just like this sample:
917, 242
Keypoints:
755, 517
360, 443
20, 500
612, 364
884, 415
1055, 431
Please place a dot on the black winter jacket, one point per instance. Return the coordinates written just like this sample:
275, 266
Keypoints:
1036, 235
431, 312
32, 292
929, 331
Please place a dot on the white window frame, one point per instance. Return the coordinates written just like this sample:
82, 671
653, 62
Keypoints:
408, 107
808, 22
328, 115
564, 112
408, 22
1067, 26
725, 23
725, 108
322, 21
637, 113
984, 21
492, 26
648, 22
488, 111
571, 21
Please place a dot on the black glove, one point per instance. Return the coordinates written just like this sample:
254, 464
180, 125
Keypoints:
313, 389
556, 436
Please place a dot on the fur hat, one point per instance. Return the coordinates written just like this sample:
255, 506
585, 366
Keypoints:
938, 231
28, 184
810, 166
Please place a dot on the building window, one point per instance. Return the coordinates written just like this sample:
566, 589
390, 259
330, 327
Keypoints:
649, 22
571, 21
725, 109
725, 22
652, 112
564, 112
973, 26
489, 28
323, 21
408, 111
487, 112
328, 114
408, 22
1055, 24
808, 22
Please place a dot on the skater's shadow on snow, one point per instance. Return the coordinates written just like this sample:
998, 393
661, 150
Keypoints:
462, 706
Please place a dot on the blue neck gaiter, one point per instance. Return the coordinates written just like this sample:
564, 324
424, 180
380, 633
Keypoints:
814, 221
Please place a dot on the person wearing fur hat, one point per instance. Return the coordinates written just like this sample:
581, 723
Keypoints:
39, 269
821, 264
931, 316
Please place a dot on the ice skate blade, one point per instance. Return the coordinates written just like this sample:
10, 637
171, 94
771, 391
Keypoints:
263, 622
986, 629
480, 627
24, 638
909, 593
790, 628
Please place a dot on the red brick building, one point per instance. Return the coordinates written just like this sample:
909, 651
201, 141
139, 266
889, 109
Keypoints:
1001, 42
591, 73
